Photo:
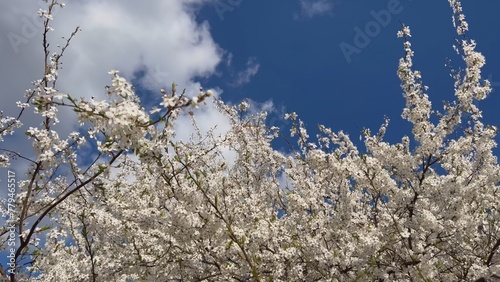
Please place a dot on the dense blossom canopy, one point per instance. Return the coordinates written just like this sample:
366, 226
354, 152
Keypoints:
151, 207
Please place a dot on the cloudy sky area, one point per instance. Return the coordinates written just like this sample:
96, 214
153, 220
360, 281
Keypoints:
332, 61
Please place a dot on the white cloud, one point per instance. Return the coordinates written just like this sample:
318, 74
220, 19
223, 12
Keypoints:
312, 8
162, 38
244, 77
256, 107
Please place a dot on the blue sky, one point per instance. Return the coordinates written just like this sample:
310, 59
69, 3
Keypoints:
303, 68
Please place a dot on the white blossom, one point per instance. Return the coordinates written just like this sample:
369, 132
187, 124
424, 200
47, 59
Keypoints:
121, 199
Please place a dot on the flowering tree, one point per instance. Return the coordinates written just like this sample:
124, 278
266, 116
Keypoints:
151, 207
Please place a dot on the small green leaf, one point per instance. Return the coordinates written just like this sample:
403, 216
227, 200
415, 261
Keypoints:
44, 228
101, 168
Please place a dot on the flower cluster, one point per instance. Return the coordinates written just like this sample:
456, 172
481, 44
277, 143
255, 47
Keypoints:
122, 121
